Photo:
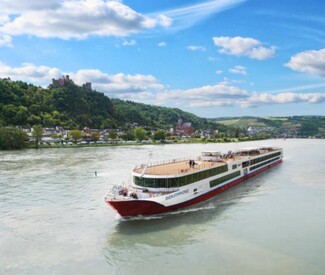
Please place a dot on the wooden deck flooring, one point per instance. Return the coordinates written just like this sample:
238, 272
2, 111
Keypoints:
175, 168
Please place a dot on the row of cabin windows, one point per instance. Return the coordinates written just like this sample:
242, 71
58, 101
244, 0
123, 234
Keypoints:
180, 181
257, 160
254, 161
263, 163
218, 181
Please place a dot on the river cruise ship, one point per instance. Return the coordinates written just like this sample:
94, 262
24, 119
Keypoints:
176, 184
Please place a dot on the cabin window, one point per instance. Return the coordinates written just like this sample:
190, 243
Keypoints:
224, 179
263, 163
261, 159
234, 166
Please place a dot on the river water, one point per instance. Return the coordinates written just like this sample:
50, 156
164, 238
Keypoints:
53, 218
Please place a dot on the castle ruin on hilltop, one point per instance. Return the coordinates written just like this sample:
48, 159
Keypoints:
65, 79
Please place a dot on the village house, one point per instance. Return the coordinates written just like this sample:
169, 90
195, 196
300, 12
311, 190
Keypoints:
184, 129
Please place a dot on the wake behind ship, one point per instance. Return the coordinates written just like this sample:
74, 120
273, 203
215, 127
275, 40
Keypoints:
164, 187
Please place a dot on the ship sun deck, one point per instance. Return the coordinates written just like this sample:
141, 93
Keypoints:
176, 168
183, 167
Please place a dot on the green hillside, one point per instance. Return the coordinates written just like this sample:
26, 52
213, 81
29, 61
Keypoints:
298, 126
72, 106
156, 116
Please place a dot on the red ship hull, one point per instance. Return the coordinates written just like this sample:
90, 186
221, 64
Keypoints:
145, 207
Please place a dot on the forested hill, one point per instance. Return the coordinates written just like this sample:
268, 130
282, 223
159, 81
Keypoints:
294, 126
69, 106
72, 106
161, 117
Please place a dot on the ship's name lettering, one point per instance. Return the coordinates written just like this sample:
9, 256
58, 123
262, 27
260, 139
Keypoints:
171, 196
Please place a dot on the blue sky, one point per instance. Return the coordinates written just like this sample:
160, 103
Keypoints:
212, 58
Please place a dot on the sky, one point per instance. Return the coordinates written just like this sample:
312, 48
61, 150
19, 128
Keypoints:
218, 58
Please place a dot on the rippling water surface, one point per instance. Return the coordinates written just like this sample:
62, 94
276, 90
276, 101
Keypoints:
53, 219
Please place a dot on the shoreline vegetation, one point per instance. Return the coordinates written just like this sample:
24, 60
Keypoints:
18, 137
12, 138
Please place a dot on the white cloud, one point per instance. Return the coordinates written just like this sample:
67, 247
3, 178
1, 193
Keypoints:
211, 95
161, 44
243, 46
312, 62
29, 73
77, 19
212, 59
238, 70
18, 6
195, 48
300, 88
238, 81
119, 84
4, 18
224, 103
219, 71
258, 99
164, 20
129, 42
5, 40
225, 94
187, 16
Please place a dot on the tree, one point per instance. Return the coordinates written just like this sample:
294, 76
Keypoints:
95, 136
112, 134
21, 116
10, 112
263, 135
139, 133
12, 138
159, 135
75, 135
33, 120
237, 133
37, 134
308, 129
49, 120
128, 136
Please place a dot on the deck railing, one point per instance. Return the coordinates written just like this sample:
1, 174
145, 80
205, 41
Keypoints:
158, 163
